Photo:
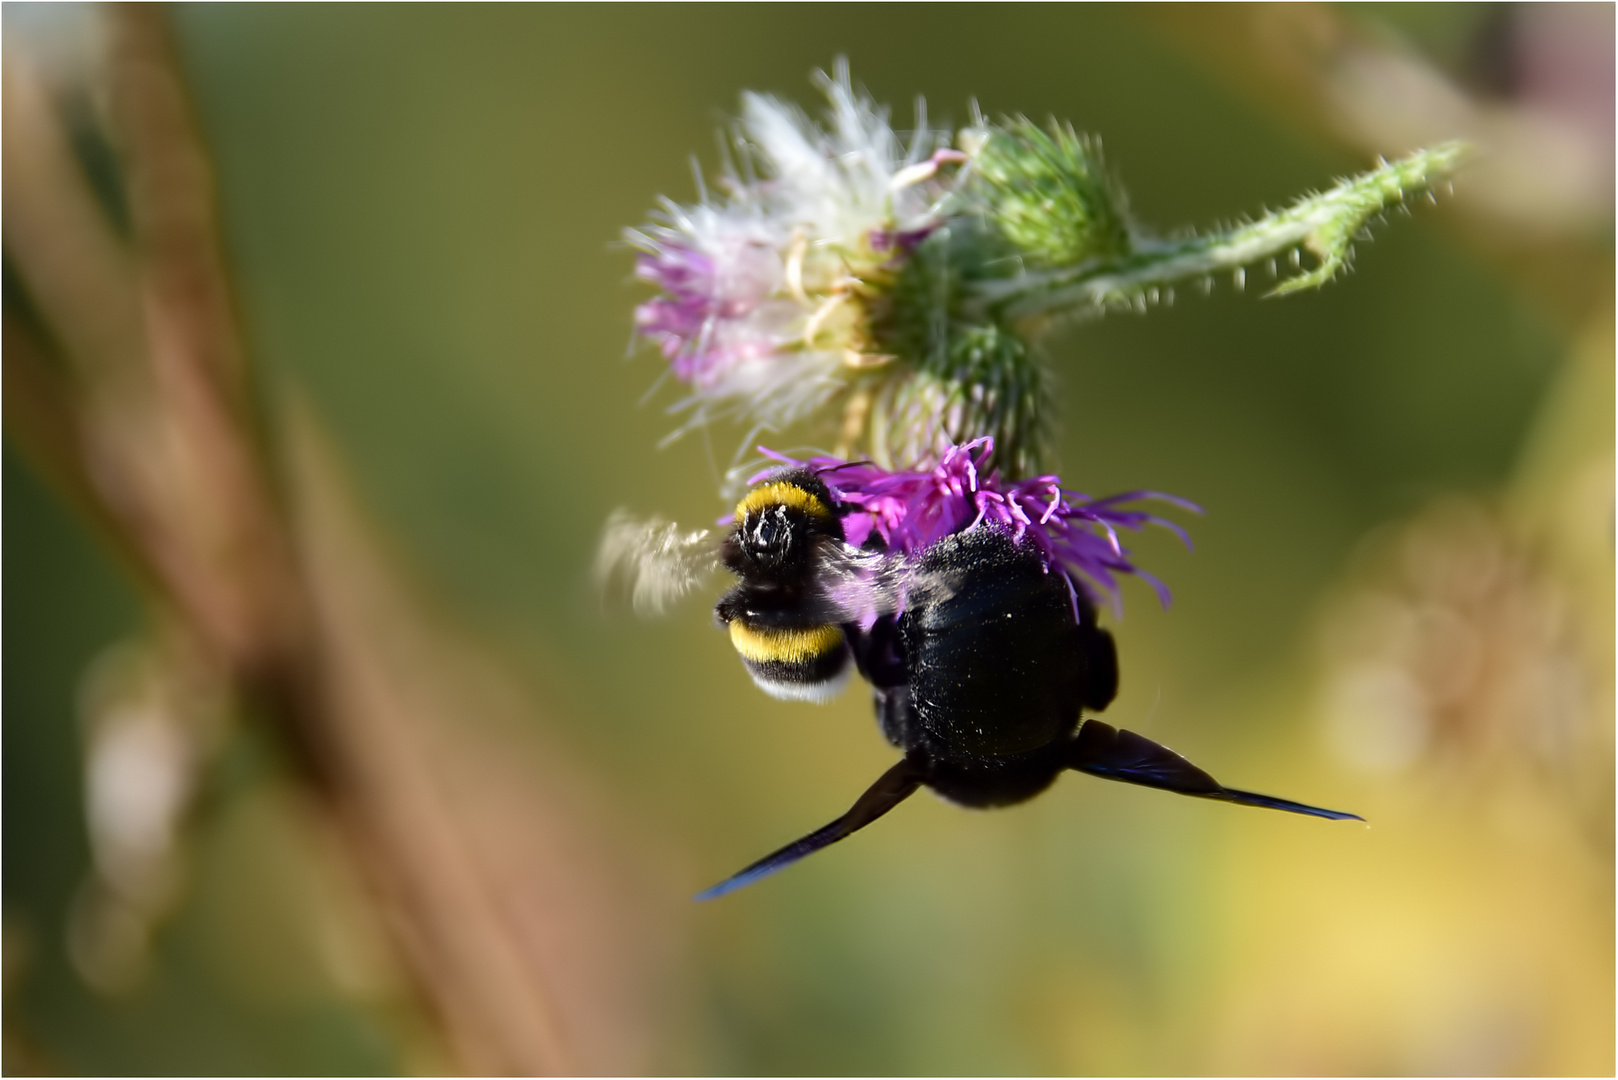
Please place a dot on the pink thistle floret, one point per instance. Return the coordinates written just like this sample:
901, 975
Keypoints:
908, 512
715, 311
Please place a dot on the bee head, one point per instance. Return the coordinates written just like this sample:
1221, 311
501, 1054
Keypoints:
777, 524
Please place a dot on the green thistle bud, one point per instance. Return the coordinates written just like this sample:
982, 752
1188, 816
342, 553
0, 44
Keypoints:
1048, 192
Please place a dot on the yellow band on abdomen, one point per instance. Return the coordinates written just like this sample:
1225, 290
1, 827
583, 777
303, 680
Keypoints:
792, 645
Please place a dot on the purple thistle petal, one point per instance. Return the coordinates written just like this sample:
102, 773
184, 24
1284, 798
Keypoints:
909, 511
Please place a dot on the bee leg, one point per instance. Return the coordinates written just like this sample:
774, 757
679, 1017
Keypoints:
895, 714
891, 789
1113, 754
1100, 668
880, 657
879, 652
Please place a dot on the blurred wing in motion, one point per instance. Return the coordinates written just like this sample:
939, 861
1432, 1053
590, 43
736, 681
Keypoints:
893, 788
657, 561
1113, 754
856, 586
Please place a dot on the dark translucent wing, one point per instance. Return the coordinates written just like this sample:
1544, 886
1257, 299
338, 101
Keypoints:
894, 786
1252, 798
1102, 750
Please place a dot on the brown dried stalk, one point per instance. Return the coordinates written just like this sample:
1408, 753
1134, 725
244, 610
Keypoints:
129, 385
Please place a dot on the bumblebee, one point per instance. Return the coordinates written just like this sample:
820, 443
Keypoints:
781, 622
981, 660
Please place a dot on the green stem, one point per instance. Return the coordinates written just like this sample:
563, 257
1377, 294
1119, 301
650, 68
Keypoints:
1325, 224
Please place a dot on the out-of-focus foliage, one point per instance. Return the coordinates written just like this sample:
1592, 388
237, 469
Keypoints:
419, 207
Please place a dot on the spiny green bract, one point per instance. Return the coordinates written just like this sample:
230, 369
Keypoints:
961, 374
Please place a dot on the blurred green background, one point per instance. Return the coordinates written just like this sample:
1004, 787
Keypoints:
421, 205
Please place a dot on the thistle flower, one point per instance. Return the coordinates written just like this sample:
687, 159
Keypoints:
908, 282
765, 294
909, 511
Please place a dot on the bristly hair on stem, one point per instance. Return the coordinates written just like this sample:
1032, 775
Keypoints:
904, 285
1324, 225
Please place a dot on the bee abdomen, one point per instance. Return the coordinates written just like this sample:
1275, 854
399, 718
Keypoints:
795, 663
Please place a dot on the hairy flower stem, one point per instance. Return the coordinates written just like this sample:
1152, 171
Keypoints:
1325, 225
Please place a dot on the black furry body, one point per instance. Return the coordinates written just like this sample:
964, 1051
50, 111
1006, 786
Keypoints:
983, 690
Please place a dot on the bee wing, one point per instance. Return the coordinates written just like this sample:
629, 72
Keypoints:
1118, 754
855, 586
657, 560
891, 788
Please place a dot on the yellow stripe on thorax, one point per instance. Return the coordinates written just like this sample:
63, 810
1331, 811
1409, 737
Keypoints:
780, 493
787, 645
